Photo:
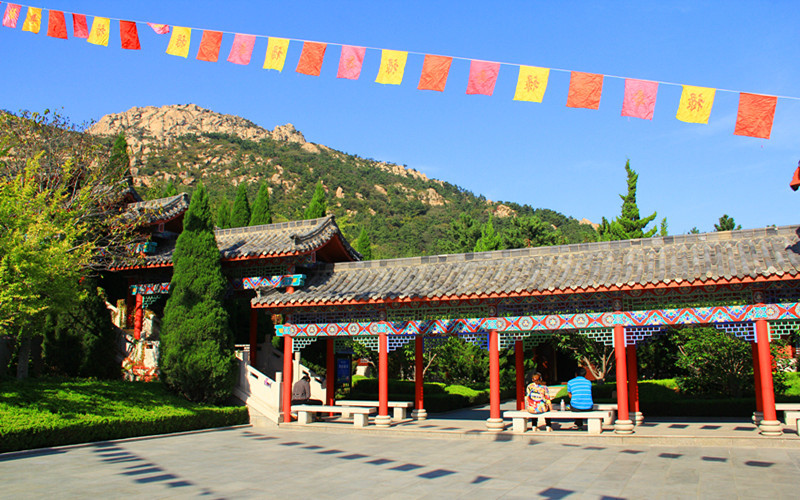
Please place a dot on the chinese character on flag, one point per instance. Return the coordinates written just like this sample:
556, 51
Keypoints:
350, 62
179, 41
434, 72
393, 64
482, 77
33, 21
242, 49
209, 46
56, 25
640, 99
755, 116
695, 105
276, 53
11, 15
310, 62
531, 83
129, 35
584, 90
100, 29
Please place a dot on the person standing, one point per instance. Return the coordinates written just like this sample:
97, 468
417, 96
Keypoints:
580, 395
537, 399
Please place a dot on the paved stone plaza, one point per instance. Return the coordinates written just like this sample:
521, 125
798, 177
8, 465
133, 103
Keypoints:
247, 462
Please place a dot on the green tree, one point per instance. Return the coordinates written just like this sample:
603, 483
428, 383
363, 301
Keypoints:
489, 240
717, 363
222, 218
363, 245
196, 352
726, 224
462, 235
628, 225
694, 230
319, 203
664, 228
169, 190
261, 212
119, 159
529, 231
240, 213
597, 357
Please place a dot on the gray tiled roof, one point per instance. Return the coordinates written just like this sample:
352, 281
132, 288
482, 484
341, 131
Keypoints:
589, 266
161, 209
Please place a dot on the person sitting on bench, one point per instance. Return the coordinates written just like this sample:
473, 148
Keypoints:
537, 399
580, 395
301, 392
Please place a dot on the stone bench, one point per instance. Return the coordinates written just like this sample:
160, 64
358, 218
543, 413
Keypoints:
360, 414
519, 418
787, 408
399, 408
793, 420
611, 408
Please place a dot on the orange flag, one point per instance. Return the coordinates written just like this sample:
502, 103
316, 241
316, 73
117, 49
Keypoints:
310, 62
640, 98
129, 35
79, 27
482, 77
755, 115
209, 46
56, 25
584, 90
33, 21
434, 72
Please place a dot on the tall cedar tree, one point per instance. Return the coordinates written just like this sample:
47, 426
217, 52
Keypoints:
628, 225
363, 245
726, 223
261, 211
319, 204
223, 215
196, 355
240, 214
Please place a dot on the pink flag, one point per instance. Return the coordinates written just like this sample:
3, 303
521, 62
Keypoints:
161, 29
79, 27
482, 77
350, 62
242, 49
640, 99
11, 16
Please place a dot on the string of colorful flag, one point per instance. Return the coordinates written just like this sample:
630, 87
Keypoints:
754, 118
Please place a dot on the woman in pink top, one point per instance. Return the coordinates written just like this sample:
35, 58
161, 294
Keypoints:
537, 398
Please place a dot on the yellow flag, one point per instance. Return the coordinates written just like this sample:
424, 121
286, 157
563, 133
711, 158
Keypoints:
33, 21
276, 53
531, 83
695, 105
393, 63
179, 42
100, 29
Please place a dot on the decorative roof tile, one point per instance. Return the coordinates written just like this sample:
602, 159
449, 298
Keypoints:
159, 210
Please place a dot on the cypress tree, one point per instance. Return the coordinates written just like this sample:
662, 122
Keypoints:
261, 211
319, 204
196, 352
363, 245
726, 223
240, 214
628, 225
223, 215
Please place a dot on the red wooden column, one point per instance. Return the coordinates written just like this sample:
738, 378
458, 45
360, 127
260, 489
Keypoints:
633, 386
287, 378
419, 412
520, 369
758, 416
138, 317
383, 419
770, 425
253, 336
623, 425
330, 375
495, 421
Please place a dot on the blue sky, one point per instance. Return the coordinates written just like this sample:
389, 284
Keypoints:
545, 155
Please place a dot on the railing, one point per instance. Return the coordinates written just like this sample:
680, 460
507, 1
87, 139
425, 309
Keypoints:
257, 390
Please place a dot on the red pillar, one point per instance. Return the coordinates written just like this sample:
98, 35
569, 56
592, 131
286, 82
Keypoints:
253, 336
419, 378
330, 377
287, 378
138, 317
495, 422
633, 382
623, 424
757, 377
770, 424
520, 369
383, 419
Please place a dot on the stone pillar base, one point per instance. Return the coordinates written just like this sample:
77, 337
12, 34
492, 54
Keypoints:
419, 414
758, 416
623, 427
383, 421
495, 424
637, 417
770, 428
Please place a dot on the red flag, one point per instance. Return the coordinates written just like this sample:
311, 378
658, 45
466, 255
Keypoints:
584, 90
129, 35
482, 77
434, 72
311, 58
242, 49
755, 116
161, 29
640, 99
79, 27
56, 25
209, 46
350, 62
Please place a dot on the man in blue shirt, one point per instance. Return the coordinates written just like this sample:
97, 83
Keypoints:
580, 394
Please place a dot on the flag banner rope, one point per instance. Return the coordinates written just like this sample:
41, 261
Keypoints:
754, 117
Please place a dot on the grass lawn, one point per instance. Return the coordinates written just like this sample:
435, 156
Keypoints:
47, 412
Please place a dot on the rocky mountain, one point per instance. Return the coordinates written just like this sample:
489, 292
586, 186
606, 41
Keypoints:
404, 211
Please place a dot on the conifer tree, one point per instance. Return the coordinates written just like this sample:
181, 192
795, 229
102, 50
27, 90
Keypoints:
169, 190
222, 217
240, 214
261, 211
462, 235
119, 158
628, 225
319, 204
726, 223
196, 352
363, 245
489, 240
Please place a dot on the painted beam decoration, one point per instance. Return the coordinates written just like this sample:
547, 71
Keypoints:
257, 282
456, 326
150, 288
